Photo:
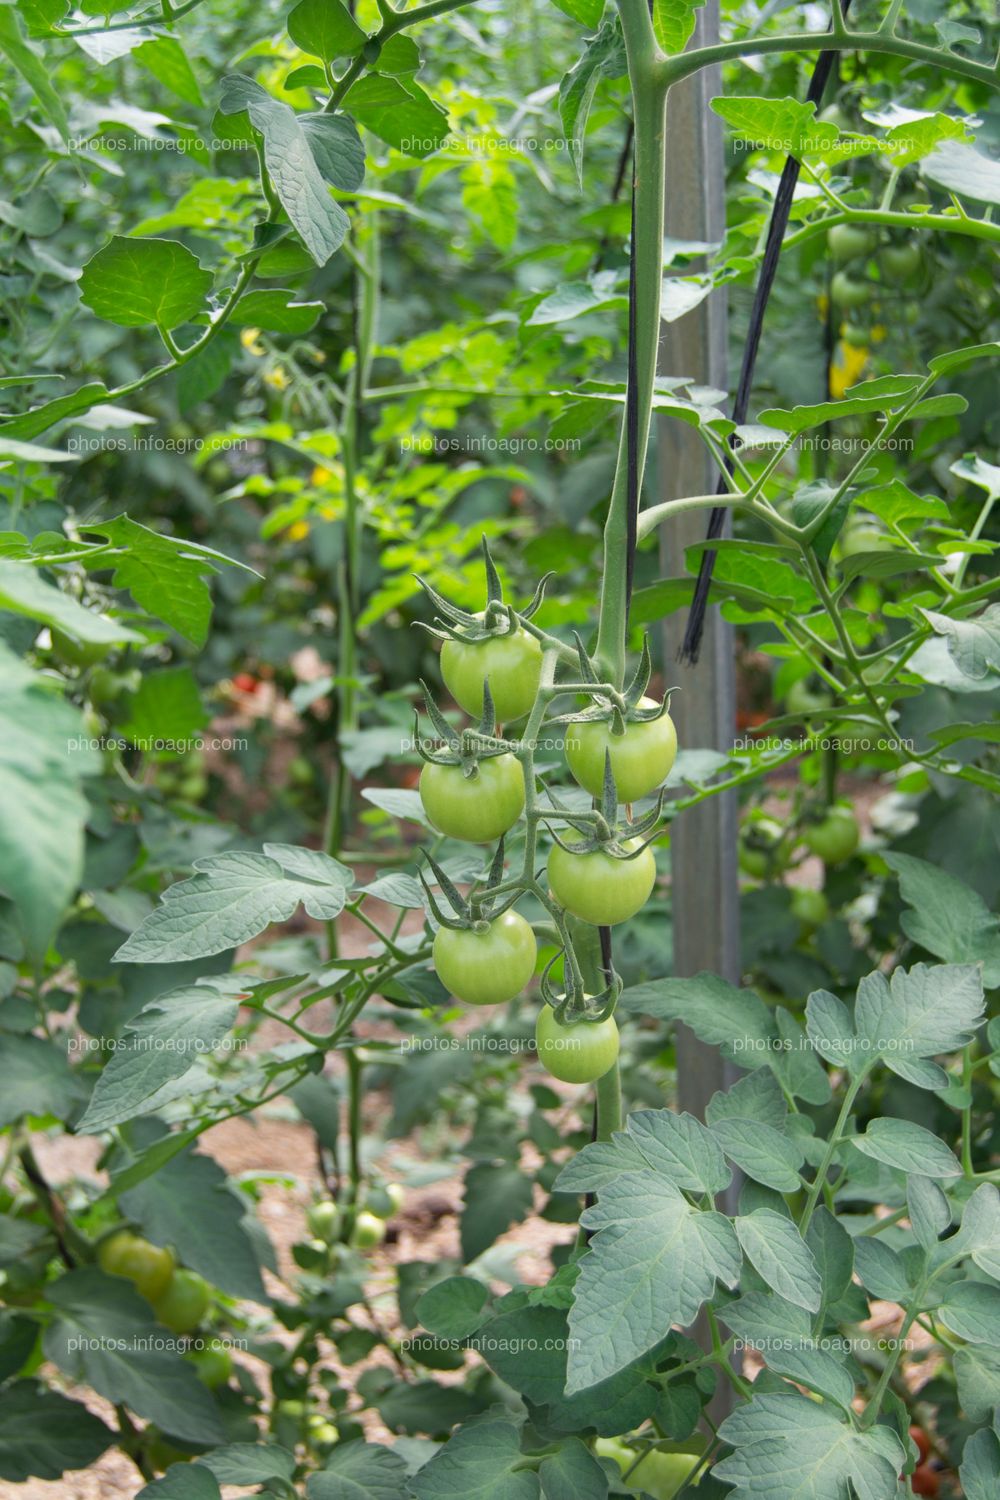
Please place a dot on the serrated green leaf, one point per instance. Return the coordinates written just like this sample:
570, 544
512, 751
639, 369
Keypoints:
104, 1335
42, 1434
781, 1256
980, 1468
652, 1262
135, 282
972, 1310
401, 114
919, 1013
360, 1471
326, 29
679, 1148
232, 898
483, 1462
908, 1147
977, 1375
762, 1152
674, 22
785, 125
791, 1448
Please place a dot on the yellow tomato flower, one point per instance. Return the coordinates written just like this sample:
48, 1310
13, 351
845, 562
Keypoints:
320, 476
298, 531
845, 371
277, 379
249, 338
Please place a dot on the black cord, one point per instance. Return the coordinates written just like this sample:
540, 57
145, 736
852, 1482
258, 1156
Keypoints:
775, 235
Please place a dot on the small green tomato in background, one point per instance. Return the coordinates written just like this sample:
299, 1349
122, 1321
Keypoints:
579, 1052
324, 1220
658, 1474
368, 1231
384, 1200
802, 699
76, 653
597, 887
150, 1268
490, 967
810, 907
850, 242
846, 292
213, 1364
477, 808
835, 837
760, 852
901, 262
184, 1303
641, 758
513, 664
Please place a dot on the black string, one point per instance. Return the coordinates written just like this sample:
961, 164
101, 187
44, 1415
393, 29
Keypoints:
775, 235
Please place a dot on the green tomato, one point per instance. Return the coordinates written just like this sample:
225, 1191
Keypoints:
324, 1220
855, 335
490, 967
834, 838
322, 1434
846, 292
810, 907
662, 1474
213, 1364
477, 808
641, 758
850, 242
368, 1231
150, 1268
513, 664
184, 1303
760, 853
902, 262
579, 1052
76, 653
597, 887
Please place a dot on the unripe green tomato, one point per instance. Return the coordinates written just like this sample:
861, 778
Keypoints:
213, 1365
300, 771
901, 262
184, 1303
368, 1231
324, 1220
323, 1434
810, 907
850, 242
513, 664
846, 292
855, 335
579, 1052
658, 1474
76, 653
105, 686
760, 851
597, 887
150, 1268
490, 967
477, 808
641, 758
835, 837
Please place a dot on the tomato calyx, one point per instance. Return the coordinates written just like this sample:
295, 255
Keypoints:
480, 908
497, 619
465, 748
631, 706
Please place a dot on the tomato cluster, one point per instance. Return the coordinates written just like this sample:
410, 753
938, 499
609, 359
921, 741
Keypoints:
619, 748
180, 1298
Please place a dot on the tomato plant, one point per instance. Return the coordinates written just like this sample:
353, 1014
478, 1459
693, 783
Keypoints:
337, 333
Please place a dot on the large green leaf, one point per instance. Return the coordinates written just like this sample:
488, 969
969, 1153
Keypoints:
674, 22
190, 1204
135, 282
784, 125
42, 1434
326, 29
38, 1079
781, 1256
401, 114
360, 1471
909, 1147
763, 1153
33, 69
24, 592
653, 1261
980, 1470
291, 166
947, 917
103, 1333
974, 645
790, 1448
483, 1462
919, 1013
233, 897
719, 1013
160, 1044
43, 758
165, 574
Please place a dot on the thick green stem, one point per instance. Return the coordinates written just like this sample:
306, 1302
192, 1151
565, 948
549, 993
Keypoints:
831, 1150
648, 106
609, 1103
